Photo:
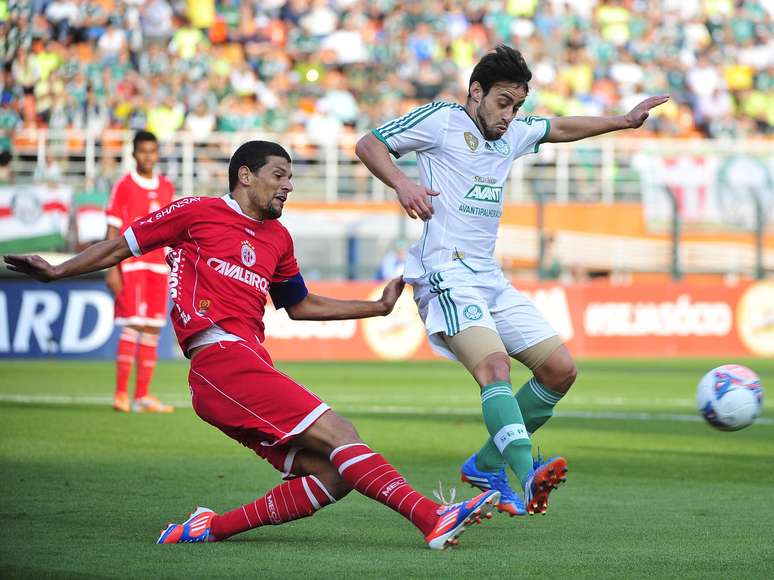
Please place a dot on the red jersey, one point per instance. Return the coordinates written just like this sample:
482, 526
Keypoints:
222, 263
134, 197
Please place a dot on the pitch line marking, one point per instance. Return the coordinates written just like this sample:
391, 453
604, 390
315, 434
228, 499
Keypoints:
101, 400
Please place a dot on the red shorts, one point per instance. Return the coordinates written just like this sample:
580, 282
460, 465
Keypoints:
235, 387
143, 298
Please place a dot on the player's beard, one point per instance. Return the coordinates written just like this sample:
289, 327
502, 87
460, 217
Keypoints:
489, 133
271, 211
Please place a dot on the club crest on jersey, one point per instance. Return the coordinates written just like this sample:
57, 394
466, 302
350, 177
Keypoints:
248, 254
204, 305
471, 140
502, 147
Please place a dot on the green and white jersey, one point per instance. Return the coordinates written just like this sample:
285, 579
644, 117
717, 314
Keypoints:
469, 172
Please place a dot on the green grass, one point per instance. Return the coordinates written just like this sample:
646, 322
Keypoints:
86, 490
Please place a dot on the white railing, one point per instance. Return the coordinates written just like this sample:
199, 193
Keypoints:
594, 170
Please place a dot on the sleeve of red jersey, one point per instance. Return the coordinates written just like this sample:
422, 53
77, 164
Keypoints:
116, 206
165, 227
287, 266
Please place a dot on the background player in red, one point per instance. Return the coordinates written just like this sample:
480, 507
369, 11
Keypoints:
139, 284
227, 256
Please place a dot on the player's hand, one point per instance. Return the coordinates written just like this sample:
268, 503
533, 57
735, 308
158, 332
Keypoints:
415, 199
113, 281
33, 266
391, 293
636, 117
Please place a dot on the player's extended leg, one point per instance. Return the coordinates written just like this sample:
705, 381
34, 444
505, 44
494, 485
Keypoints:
371, 475
125, 354
318, 484
147, 355
554, 373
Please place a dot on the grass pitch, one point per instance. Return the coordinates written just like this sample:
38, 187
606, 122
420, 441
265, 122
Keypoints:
652, 490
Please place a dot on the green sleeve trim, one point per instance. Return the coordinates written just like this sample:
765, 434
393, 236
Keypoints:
545, 135
379, 136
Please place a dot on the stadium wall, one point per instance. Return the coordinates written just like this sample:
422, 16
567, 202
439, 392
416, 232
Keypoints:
74, 319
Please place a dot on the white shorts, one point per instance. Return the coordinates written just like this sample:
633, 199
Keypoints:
452, 300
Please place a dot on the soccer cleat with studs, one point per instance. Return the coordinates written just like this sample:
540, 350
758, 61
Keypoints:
455, 518
510, 503
545, 477
195, 529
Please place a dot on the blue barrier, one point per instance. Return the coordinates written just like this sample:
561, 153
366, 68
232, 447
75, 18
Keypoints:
71, 319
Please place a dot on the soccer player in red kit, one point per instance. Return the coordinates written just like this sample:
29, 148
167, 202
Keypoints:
228, 254
139, 284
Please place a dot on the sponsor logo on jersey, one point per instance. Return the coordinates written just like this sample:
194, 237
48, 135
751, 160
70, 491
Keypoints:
471, 140
472, 312
484, 192
169, 209
248, 254
174, 258
492, 212
237, 272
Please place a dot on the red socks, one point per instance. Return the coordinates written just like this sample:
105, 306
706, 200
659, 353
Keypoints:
146, 363
127, 345
293, 500
370, 474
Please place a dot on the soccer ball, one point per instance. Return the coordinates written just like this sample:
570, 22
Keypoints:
730, 397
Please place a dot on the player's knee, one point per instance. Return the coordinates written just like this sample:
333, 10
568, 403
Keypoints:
328, 432
495, 367
562, 377
333, 482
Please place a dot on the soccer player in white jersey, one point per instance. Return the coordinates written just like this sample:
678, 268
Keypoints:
471, 311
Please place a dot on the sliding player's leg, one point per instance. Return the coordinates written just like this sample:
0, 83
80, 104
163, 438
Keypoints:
311, 484
372, 475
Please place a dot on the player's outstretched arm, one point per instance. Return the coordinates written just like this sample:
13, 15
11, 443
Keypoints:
565, 129
315, 307
412, 196
97, 257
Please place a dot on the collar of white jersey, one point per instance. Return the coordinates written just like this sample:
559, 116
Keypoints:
232, 203
144, 182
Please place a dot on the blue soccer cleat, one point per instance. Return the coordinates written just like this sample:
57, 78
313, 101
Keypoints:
543, 479
195, 529
454, 518
510, 502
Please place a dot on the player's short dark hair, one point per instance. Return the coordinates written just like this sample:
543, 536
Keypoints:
143, 137
503, 64
252, 155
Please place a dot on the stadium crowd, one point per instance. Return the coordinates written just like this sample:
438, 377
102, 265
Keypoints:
326, 66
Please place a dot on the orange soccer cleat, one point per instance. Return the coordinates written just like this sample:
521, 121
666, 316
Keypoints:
151, 404
121, 402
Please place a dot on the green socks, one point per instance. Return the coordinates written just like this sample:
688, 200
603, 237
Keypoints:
536, 403
509, 438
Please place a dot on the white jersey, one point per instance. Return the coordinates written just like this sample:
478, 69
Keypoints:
469, 172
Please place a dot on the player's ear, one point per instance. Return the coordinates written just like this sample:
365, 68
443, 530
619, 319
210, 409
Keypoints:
476, 91
244, 173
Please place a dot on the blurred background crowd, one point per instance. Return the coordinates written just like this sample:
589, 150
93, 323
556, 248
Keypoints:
330, 66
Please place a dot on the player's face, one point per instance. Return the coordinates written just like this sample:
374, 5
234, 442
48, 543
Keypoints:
146, 154
496, 109
272, 186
